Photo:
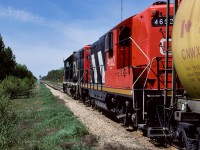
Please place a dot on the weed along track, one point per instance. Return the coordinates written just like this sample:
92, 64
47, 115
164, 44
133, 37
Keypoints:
107, 133
43, 122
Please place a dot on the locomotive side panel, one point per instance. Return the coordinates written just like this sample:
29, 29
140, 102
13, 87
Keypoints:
70, 74
86, 64
68, 68
118, 60
98, 61
149, 35
137, 42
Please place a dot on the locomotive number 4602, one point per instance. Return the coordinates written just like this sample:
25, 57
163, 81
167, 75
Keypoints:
161, 21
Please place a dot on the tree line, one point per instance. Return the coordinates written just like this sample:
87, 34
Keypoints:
54, 75
15, 78
9, 66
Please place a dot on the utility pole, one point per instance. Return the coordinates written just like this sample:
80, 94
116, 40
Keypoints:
121, 10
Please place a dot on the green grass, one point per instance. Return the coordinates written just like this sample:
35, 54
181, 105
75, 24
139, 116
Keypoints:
44, 123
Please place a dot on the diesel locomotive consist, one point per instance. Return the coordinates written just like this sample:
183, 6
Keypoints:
129, 72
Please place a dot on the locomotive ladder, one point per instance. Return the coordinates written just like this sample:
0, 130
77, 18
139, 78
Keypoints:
79, 82
168, 69
166, 62
163, 130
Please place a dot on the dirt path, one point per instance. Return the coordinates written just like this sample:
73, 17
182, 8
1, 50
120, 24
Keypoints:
110, 135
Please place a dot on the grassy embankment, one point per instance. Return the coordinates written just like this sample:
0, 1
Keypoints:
43, 122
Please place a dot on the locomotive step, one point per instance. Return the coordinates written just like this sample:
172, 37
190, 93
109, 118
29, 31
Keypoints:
170, 60
169, 50
157, 132
168, 89
163, 70
142, 126
167, 69
122, 116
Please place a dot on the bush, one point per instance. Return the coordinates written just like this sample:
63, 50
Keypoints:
10, 86
26, 86
13, 86
7, 123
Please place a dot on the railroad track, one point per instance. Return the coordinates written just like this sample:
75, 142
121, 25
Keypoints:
54, 86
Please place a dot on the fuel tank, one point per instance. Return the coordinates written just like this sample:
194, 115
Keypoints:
186, 46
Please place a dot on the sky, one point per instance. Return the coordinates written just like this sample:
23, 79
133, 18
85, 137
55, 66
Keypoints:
42, 33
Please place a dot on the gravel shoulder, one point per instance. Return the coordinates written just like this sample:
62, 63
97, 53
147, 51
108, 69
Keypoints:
110, 135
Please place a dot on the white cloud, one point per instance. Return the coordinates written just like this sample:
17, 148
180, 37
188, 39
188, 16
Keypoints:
20, 15
81, 35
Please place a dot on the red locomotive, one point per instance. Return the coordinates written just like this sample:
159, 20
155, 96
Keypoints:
128, 72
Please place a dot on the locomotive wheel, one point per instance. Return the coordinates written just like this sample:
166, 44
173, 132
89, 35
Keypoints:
93, 103
123, 120
133, 124
74, 97
121, 112
188, 143
82, 99
77, 97
87, 101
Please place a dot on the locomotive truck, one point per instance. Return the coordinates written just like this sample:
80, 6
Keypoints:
129, 72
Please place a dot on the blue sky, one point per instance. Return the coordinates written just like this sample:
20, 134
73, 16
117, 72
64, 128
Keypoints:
42, 33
